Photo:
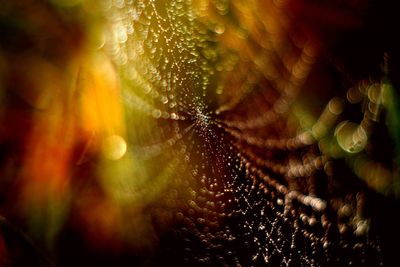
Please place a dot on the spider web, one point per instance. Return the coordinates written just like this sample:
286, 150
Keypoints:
244, 175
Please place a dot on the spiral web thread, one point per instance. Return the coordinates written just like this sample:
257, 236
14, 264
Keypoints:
213, 86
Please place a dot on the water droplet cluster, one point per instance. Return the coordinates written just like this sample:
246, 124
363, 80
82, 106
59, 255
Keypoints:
211, 89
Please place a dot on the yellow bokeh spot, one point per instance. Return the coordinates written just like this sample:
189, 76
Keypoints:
351, 137
114, 147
